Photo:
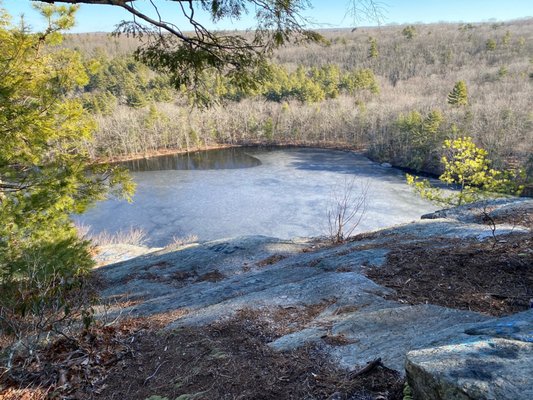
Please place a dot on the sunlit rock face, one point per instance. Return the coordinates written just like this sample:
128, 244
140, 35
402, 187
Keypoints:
448, 353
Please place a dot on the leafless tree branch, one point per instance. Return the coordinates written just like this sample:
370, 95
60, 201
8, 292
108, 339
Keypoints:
347, 209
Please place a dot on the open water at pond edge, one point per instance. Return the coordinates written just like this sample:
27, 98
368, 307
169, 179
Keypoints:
279, 192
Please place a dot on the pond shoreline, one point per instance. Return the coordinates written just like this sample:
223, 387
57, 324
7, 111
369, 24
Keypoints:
260, 144
527, 192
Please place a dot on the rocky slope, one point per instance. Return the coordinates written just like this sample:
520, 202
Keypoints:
450, 353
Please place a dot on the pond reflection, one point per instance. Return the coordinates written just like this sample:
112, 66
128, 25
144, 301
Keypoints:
232, 158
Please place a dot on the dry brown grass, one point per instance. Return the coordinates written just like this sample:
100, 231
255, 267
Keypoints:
133, 236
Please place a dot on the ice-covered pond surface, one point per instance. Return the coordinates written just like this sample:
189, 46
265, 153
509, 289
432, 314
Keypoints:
283, 193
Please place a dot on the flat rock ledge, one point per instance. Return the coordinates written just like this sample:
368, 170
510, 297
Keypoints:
446, 353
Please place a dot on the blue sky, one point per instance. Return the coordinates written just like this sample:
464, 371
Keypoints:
328, 13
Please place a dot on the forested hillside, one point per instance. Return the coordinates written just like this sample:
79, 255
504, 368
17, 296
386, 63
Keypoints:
397, 91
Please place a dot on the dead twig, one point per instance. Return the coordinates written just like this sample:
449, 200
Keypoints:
155, 372
366, 369
489, 220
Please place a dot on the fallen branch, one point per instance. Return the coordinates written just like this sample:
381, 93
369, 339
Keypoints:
366, 369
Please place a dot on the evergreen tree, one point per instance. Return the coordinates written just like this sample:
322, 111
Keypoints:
506, 38
45, 169
503, 72
459, 95
490, 44
467, 168
360, 79
373, 49
409, 32
420, 135
186, 50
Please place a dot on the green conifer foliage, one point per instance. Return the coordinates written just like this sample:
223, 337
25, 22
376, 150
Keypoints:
503, 72
490, 45
459, 95
506, 38
468, 169
419, 135
360, 79
409, 32
45, 169
373, 49
315, 84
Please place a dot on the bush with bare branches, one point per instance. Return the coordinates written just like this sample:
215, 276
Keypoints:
347, 209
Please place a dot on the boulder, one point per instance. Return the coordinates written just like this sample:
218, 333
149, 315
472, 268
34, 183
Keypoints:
514, 327
482, 369
495, 362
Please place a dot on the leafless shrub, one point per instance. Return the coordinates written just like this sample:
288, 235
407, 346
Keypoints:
347, 209
183, 240
40, 310
489, 220
133, 236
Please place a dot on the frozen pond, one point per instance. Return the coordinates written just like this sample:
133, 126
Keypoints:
283, 193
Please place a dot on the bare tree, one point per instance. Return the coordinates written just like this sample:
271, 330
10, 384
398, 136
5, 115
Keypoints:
347, 208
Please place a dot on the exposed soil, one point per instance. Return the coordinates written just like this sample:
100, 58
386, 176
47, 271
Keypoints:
270, 260
230, 360
226, 360
493, 276
70, 368
213, 276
